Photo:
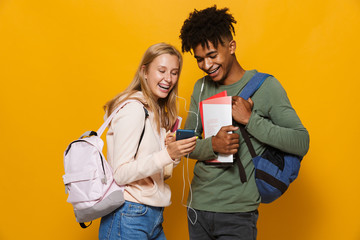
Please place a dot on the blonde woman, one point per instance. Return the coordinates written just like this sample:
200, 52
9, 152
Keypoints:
141, 168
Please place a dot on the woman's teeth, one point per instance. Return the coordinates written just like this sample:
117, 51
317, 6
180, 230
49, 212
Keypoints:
164, 87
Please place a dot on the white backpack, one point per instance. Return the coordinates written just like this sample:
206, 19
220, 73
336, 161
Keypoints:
88, 177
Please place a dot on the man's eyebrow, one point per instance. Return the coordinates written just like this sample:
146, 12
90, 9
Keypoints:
207, 54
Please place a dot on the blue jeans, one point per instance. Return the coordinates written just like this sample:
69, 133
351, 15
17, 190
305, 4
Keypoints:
133, 221
224, 226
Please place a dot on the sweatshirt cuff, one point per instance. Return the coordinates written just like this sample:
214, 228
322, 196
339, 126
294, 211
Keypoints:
254, 118
163, 158
209, 154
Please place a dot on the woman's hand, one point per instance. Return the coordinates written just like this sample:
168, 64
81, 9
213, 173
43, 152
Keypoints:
177, 149
170, 137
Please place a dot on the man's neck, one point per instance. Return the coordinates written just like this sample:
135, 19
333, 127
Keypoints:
236, 73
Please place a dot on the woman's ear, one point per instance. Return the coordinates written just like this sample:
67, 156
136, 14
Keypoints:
143, 71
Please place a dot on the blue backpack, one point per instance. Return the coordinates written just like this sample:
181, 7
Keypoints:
274, 169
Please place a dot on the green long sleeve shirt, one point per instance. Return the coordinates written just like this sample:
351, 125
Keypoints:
273, 122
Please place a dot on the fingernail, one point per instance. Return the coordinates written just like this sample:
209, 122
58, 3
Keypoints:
174, 135
197, 137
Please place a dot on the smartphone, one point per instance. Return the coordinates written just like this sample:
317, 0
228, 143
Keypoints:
183, 133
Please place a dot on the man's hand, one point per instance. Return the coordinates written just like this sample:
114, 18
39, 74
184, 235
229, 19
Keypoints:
241, 109
225, 142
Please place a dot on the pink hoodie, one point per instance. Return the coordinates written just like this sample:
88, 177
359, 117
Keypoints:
144, 174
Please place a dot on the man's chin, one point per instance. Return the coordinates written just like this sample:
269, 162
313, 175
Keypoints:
216, 79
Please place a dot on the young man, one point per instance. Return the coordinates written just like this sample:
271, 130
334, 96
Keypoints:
221, 206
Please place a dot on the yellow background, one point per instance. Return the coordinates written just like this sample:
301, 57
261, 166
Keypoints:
61, 60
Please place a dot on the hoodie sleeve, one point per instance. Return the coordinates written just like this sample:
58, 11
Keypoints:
127, 127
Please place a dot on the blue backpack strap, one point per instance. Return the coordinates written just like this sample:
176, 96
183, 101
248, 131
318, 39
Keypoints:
253, 85
249, 89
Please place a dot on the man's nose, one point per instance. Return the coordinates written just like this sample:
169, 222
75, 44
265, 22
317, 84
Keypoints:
207, 64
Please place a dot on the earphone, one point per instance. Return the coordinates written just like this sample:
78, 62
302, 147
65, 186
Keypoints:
197, 114
187, 160
183, 173
202, 86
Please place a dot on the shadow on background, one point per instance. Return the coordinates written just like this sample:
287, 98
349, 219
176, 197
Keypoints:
175, 223
293, 216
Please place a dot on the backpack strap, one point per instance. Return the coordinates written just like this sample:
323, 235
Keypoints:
241, 168
250, 88
101, 130
83, 225
108, 120
112, 115
143, 131
246, 137
253, 85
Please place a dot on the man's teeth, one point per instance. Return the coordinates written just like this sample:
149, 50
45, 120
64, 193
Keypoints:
214, 70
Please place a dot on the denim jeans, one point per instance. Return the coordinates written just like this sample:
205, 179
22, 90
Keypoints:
133, 221
224, 226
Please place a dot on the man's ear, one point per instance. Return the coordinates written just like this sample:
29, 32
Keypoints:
232, 46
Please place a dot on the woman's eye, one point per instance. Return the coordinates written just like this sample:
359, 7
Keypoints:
213, 56
174, 73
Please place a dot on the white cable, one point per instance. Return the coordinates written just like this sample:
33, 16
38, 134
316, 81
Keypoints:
187, 171
190, 192
188, 206
202, 87
197, 115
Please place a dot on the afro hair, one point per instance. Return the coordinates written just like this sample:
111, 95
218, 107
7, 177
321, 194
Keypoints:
210, 24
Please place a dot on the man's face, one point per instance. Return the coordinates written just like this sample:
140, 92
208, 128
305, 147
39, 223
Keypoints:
216, 62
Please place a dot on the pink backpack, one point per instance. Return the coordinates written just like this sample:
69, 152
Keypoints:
88, 177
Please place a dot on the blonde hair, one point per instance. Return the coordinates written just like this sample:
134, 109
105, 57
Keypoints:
164, 109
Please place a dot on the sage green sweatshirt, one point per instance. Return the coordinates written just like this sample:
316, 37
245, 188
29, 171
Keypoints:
273, 122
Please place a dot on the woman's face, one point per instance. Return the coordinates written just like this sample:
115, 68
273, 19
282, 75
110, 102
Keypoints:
162, 75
